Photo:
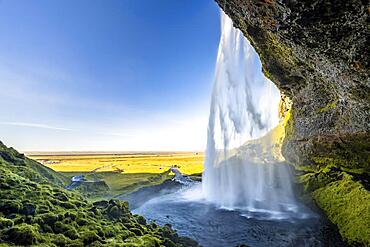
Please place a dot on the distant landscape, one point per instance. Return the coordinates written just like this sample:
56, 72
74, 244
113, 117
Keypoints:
110, 174
128, 162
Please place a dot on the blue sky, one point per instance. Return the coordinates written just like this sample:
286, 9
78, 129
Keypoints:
106, 74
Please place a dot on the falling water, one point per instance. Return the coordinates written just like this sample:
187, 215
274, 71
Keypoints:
244, 106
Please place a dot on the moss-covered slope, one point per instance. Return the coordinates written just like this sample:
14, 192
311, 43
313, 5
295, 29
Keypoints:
35, 209
345, 200
25, 167
347, 204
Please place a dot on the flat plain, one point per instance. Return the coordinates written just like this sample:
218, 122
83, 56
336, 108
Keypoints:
122, 172
186, 162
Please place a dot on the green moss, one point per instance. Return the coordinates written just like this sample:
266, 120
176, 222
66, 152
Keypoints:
329, 106
140, 219
71, 233
5, 223
288, 124
114, 184
22, 234
347, 204
143, 241
10, 206
344, 200
89, 237
60, 227
345, 151
347, 156
30, 168
316, 180
36, 211
49, 218
279, 51
59, 240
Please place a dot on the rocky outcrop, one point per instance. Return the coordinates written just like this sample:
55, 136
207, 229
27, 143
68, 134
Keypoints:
317, 53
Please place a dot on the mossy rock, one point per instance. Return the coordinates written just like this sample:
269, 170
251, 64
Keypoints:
22, 234
10, 206
5, 223
89, 237
36, 211
347, 204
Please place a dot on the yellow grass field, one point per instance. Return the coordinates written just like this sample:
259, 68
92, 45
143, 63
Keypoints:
187, 163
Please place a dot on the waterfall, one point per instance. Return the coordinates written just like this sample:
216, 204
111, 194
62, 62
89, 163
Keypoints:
244, 106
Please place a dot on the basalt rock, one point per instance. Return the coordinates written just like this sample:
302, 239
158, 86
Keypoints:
317, 53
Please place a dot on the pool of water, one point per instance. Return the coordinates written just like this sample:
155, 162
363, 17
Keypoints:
184, 208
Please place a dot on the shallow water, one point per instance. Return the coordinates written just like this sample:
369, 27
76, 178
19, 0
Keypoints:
184, 208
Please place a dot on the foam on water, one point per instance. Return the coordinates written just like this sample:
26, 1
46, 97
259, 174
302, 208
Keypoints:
244, 106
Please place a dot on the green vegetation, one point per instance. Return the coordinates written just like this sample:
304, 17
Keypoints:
329, 106
348, 152
278, 51
343, 198
347, 204
29, 168
314, 180
116, 183
335, 178
35, 209
288, 124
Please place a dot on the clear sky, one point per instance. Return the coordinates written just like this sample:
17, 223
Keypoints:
109, 75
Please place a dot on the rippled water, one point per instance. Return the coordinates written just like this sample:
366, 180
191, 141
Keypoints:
185, 209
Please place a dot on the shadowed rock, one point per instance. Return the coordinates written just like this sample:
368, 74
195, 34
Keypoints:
317, 53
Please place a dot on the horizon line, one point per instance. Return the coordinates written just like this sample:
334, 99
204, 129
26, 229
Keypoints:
51, 153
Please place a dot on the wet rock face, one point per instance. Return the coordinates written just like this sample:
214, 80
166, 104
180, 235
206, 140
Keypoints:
318, 54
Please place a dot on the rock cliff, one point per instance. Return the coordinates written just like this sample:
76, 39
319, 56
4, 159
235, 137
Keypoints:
318, 54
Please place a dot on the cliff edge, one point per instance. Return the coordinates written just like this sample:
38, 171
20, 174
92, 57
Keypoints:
317, 53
